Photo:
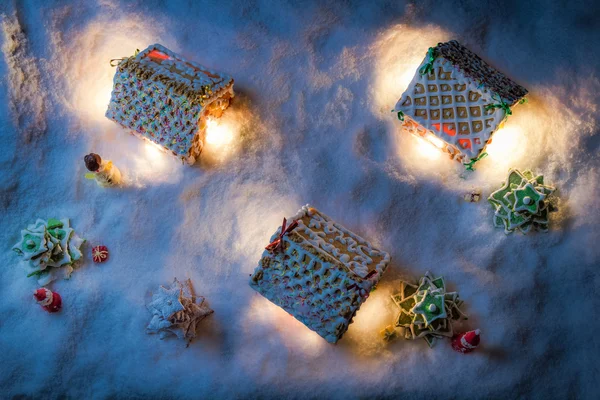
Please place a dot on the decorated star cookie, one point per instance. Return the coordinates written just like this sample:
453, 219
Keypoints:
177, 311
431, 306
426, 310
49, 249
523, 202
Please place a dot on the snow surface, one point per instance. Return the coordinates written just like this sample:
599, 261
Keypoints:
311, 123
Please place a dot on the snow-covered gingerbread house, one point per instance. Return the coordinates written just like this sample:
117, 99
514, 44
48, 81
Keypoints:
160, 96
319, 271
456, 101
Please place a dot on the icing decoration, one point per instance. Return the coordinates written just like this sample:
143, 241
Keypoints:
427, 309
160, 96
276, 245
176, 311
501, 105
466, 342
322, 274
49, 249
100, 254
522, 202
49, 300
457, 97
470, 164
427, 68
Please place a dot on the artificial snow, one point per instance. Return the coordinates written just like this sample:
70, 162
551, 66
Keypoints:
311, 123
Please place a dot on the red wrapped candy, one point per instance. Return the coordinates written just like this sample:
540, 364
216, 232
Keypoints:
100, 254
48, 299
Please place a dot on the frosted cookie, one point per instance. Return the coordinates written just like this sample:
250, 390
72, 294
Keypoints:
319, 271
523, 202
176, 311
456, 101
49, 249
160, 96
426, 309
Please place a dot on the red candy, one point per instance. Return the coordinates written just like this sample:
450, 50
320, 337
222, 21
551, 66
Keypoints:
100, 254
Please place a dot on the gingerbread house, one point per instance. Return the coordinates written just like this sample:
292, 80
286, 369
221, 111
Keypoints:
319, 272
159, 96
456, 101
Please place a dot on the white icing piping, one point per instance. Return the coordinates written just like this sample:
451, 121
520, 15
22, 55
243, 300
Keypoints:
359, 264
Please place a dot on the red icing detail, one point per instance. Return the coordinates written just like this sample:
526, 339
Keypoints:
158, 54
446, 128
464, 143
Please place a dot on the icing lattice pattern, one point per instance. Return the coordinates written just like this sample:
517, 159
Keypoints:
309, 279
165, 99
452, 108
450, 101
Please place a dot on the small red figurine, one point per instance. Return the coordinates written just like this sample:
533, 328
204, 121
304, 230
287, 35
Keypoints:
48, 299
100, 254
466, 342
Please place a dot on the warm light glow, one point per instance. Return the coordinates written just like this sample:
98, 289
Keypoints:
292, 332
508, 147
505, 142
218, 133
370, 318
101, 100
91, 82
427, 147
222, 140
436, 141
399, 52
153, 150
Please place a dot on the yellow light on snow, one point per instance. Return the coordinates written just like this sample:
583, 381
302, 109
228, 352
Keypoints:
437, 142
505, 141
430, 147
218, 133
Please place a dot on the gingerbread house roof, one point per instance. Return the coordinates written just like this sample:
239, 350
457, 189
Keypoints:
476, 69
188, 78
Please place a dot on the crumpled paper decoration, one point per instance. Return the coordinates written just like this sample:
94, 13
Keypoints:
49, 249
426, 309
523, 202
175, 310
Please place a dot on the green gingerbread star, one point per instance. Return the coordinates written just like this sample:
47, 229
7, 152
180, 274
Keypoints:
528, 199
431, 306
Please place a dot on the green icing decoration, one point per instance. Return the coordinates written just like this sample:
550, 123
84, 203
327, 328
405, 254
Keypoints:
47, 246
428, 66
431, 307
470, 164
57, 233
501, 105
523, 203
31, 243
528, 199
426, 309
54, 223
